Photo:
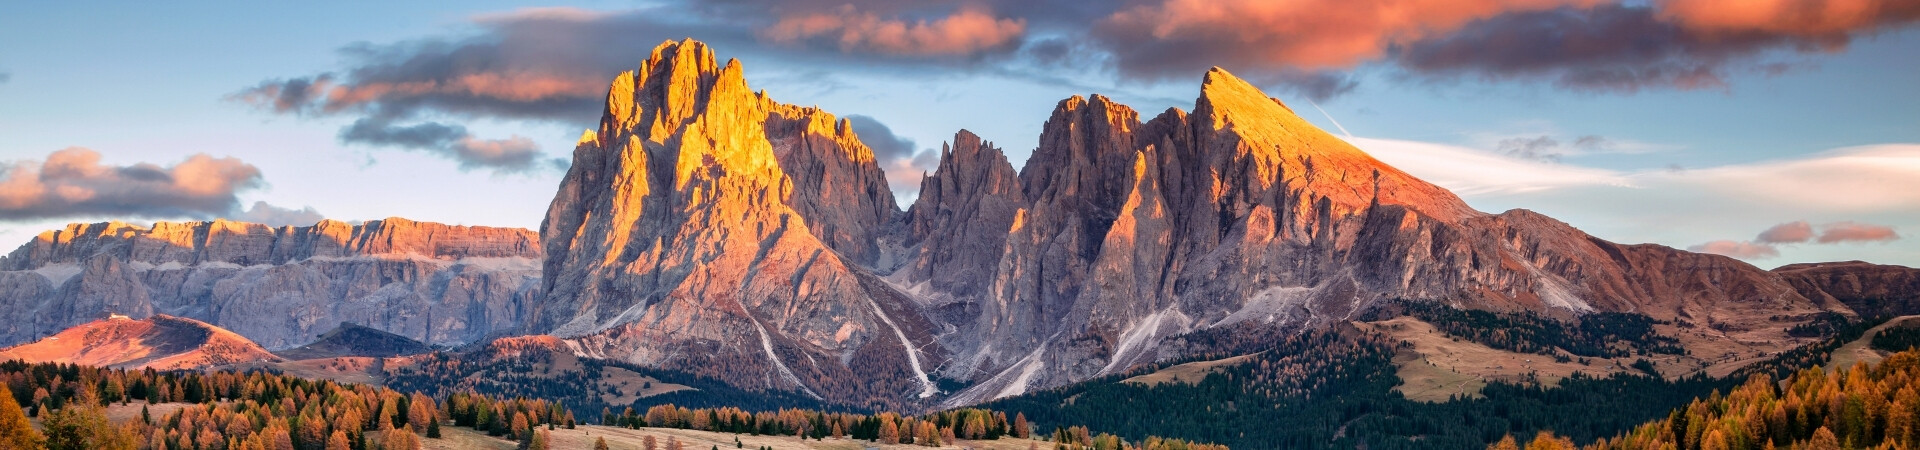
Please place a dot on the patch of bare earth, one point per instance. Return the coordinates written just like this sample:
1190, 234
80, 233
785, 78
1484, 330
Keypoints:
1861, 350
1189, 373
1440, 366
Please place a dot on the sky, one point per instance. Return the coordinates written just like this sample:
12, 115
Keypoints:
1776, 131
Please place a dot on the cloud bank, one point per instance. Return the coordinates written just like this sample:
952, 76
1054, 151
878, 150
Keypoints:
73, 183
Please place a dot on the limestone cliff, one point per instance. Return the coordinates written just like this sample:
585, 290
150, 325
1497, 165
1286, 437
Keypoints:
279, 286
1133, 232
705, 227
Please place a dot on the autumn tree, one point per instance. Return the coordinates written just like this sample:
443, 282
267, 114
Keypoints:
83, 425
338, 441
648, 443
400, 439
600, 444
889, 432
1021, 429
539, 441
15, 431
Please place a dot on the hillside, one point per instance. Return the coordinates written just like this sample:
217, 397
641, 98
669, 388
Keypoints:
160, 342
355, 340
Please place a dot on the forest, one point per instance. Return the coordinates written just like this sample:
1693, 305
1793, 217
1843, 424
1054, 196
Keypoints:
227, 410
1861, 406
1335, 390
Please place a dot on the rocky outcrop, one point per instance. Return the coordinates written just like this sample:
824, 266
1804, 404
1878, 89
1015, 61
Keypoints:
1242, 211
707, 228
161, 342
1865, 288
279, 286
957, 229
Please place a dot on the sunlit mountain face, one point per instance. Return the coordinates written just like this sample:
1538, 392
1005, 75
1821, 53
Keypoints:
994, 222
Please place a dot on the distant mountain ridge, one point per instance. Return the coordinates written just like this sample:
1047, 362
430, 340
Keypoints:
279, 286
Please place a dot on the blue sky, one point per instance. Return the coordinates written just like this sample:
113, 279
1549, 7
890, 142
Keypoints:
1711, 127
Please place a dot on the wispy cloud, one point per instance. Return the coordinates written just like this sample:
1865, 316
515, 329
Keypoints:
1872, 181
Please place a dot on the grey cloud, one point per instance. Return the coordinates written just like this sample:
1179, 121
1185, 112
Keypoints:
513, 155
1540, 148
1608, 48
1318, 86
886, 145
263, 213
73, 183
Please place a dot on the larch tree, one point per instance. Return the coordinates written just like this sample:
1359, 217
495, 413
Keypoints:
15, 431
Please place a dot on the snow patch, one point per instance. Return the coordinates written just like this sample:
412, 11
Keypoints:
1138, 336
500, 264
1029, 366
1268, 305
927, 388
766, 343
58, 274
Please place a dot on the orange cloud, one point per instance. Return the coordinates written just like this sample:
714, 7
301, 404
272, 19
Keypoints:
1787, 233
1306, 34
965, 32
72, 183
1741, 249
1855, 232
1833, 19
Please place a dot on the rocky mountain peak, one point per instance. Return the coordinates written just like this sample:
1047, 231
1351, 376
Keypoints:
704, 215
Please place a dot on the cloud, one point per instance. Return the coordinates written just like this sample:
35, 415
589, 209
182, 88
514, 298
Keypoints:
1541, 148
1829, 21
880, 138
1179, 38
1797, 232
1855, 232
900, 158
515, 155
73, 183
267, 214
1468, 171
1850, 190
1683, 44
1742, 249
1787, 233
968, 31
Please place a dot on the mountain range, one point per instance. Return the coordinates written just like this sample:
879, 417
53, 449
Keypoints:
706, 228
